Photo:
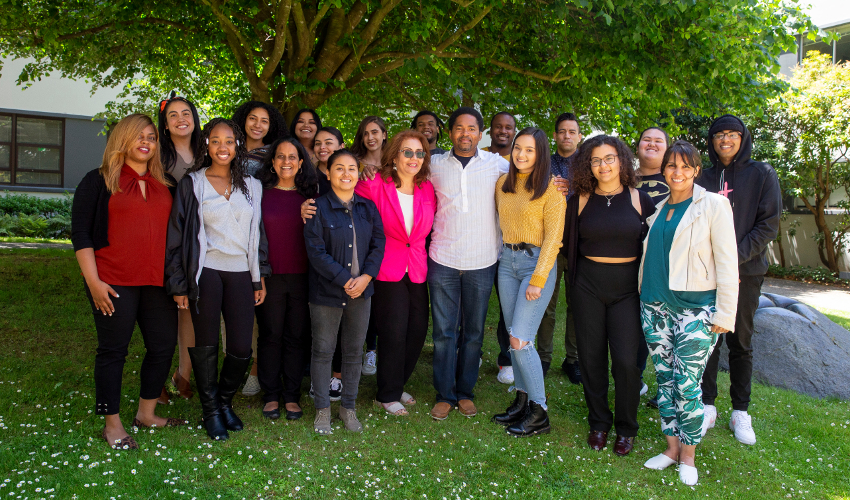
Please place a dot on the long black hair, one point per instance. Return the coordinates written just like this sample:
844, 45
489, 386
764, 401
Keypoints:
301, 112
541, 176
277, 123
167, 151
237, 173
306, 180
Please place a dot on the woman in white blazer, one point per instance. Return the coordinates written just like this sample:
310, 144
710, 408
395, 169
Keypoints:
689, 295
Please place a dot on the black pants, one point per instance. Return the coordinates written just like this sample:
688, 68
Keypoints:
606, 304
284, 340
156, 313
228, 294
402, 324
740, 344
372, 332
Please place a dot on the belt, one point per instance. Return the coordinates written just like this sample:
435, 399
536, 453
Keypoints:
519, 246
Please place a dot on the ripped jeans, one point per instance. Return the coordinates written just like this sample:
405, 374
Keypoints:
522, 317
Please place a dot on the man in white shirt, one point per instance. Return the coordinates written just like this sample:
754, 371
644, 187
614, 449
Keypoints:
462, 259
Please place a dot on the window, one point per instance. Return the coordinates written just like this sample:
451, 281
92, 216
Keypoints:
31, 150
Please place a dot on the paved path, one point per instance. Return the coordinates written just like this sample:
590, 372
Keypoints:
4, 244
829, 297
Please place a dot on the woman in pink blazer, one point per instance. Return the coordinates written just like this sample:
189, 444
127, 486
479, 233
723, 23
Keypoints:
406, 202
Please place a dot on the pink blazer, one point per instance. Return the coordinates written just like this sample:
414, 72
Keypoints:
402, 251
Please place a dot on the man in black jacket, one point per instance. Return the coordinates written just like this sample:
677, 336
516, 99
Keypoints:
753, 190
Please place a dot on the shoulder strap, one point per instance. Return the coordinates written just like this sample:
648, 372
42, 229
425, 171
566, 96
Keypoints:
636, 200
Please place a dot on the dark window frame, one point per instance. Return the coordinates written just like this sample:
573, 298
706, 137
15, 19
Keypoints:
13, 152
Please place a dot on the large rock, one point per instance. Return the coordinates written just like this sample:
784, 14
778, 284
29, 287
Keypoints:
798, 348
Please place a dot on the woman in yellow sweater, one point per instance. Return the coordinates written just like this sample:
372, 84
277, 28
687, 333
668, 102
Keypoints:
531, 215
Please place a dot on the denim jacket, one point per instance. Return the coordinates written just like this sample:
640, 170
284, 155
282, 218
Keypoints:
329, 237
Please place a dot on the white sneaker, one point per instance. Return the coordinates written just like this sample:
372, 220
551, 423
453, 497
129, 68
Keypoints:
369, 363
251, 387
742, 424
708, 418
506, 375
644, 389
335, 391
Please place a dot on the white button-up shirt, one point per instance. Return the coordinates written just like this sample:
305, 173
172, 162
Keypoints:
466, 233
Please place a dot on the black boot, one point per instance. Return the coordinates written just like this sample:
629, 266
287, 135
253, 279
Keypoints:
515, 411
536, 421
205, 366
232, 371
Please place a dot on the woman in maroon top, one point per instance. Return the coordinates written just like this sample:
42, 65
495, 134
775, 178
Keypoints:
119, 222
283, 345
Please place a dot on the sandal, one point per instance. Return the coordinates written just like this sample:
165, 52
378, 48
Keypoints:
394, 408
184, 388
127, 443
406, 399
170, 422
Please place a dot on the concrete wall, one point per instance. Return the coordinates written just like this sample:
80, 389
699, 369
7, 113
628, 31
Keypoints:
801, 249
84, 145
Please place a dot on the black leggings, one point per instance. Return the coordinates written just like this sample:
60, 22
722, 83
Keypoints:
606, 302
156, 313
283, 344
401, 320
231, 295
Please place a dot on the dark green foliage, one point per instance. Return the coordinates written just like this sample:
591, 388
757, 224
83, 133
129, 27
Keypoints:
31, 205
807, 274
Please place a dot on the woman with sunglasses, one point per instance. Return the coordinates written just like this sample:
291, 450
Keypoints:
216, 265
688, 299
605, 225
406, 202
180, 138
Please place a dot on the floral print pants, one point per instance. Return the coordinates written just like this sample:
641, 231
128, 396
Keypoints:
680, 342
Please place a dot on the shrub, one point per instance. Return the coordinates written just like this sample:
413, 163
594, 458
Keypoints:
807, 273
13, 204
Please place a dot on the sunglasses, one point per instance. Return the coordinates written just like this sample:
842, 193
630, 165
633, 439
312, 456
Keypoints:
409, 153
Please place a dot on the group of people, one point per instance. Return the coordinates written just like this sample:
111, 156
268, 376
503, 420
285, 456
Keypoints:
193, 233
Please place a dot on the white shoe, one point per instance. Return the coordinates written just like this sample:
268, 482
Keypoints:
659, 462
688, 474
251, 387
506, 375
369, 363
708, 418
335, 391
644, 389
742, 424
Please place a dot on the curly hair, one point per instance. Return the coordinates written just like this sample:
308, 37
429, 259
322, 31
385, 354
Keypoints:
427, 112
306, 180
277, 123
237, 174
582, 180
391, 154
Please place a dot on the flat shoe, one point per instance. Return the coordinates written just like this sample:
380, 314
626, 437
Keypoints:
406, 399
395, 408
441, 410
659, 462
272, 414
127, 443
169, 422
597, 440
294, 415
467, 408
688, 474
623, 445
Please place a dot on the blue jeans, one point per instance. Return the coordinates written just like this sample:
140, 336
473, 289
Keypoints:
457, 295
522, 316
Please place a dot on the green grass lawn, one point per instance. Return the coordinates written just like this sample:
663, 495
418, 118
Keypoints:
50, 445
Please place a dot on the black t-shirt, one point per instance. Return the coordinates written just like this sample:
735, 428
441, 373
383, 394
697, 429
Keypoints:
464, 160
654, 185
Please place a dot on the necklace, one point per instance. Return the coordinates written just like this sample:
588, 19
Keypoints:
292, 188
612, 193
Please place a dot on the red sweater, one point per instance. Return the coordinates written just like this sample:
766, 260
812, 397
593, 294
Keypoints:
135, 255
285, 231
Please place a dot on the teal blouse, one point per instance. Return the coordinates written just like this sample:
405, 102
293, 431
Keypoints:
656, 265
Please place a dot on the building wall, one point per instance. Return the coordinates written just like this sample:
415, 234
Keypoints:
84, 145
801, 249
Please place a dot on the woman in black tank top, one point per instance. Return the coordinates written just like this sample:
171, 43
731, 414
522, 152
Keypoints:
604, 228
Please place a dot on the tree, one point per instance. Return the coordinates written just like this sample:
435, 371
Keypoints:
811, 125
621, 64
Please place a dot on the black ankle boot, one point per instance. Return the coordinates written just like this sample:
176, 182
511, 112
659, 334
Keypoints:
205, 366
232, 371
515, 411
536, 421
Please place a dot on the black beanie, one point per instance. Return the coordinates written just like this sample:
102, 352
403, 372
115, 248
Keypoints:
725, 122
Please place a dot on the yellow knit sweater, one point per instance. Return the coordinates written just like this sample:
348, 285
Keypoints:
537, 222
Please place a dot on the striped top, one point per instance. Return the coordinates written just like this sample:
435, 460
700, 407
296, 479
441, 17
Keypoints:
466, 227
537, 222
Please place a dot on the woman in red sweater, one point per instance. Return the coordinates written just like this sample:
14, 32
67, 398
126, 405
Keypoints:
119, 221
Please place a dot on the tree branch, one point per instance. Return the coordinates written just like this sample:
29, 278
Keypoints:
281, 20
319, 16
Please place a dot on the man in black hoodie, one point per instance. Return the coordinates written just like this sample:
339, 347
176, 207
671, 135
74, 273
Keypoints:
753, 190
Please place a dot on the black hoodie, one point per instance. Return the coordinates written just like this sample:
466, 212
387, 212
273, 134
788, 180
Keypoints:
752, 188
